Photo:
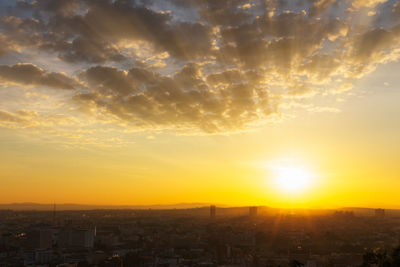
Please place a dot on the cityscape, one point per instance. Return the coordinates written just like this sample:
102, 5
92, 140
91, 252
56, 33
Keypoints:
199, 133
203, 236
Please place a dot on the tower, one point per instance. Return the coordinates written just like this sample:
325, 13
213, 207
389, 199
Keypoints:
54, 214
212, 212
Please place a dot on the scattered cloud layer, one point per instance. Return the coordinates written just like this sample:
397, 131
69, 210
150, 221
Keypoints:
198, 66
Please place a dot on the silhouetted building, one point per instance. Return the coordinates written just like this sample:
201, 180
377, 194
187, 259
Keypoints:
40, 238
83, 238
43, 256
54, 214
380, 213
212, 211
344, 214
253, 211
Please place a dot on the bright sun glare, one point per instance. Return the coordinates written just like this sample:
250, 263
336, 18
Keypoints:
292, 179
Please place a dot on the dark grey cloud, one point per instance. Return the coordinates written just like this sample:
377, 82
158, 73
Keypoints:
31, 75
109, 79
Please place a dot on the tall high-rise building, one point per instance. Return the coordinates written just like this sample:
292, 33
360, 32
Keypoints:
213, 212
253, 211
54, 214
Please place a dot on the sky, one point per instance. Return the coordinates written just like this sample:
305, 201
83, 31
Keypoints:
234, 102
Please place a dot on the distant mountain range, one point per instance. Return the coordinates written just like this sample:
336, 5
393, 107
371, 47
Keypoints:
71, 206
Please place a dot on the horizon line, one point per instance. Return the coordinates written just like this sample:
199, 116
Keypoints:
190, 205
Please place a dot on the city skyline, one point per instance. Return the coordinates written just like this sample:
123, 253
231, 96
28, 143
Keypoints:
286, 104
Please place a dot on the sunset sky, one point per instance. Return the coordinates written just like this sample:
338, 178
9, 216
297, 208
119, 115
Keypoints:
228, 102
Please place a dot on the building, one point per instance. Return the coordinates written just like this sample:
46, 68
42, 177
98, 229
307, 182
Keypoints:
43, 256
253, 211
40, 238
83, 238
212, 211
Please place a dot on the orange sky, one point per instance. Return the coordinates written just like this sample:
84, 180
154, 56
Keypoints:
213, 102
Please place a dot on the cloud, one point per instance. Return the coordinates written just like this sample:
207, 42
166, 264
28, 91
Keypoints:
27, 74
4, 49
367, 3
396, 10
373, 42
109, 79
194, 65
320, 6
7, 117
61, 129
146, 99
320, 67
370, 48
88, 30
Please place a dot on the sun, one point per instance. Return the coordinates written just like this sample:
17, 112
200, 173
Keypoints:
292, 179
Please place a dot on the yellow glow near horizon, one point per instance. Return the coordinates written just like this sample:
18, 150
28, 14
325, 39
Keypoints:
292, 179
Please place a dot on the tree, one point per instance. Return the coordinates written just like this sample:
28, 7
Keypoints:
382, 258
295, 263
